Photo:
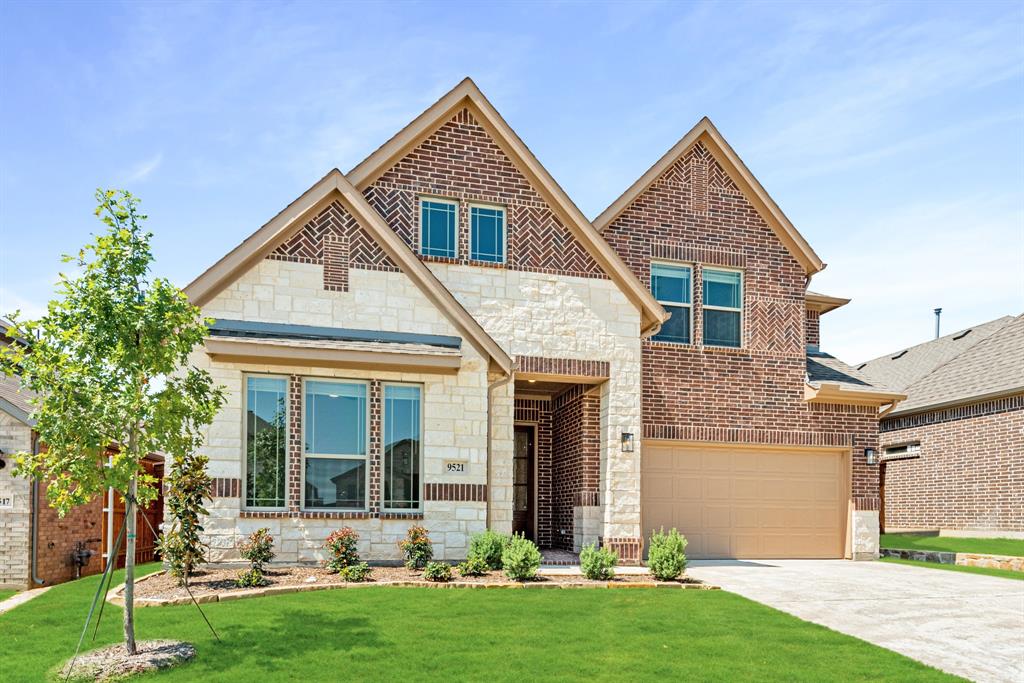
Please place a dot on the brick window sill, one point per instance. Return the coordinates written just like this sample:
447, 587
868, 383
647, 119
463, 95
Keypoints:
325, 514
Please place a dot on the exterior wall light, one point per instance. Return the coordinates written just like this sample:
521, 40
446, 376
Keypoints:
627, 442
872, 456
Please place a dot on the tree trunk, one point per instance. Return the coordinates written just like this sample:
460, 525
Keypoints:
129, 568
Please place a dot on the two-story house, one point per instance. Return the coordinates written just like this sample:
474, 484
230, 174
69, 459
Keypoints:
440, 337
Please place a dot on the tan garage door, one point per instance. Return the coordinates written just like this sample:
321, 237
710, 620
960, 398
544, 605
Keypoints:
731, 502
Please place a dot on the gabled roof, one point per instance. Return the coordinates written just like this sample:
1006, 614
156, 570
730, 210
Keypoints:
990, 366
823, 303
830, 380
901, 369
335, 187
706, 133
467, 95
15, 401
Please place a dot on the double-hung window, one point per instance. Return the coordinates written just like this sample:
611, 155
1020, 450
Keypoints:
439, 220
402, 446
487, 233
672, 286
335, 445
723, 307
266, 435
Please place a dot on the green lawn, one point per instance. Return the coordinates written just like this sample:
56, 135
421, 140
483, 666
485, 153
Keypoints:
1002, 573
991, 546
414, 634
6, 593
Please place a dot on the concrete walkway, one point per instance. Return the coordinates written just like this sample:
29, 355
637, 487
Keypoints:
21, 598
967, 624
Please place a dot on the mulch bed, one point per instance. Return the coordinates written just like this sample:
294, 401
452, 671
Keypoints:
218, 581
112, 663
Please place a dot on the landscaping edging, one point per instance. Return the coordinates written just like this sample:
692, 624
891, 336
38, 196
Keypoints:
1007, 562
116, 596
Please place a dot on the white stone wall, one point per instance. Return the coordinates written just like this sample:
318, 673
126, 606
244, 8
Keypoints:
16, 519
865, 534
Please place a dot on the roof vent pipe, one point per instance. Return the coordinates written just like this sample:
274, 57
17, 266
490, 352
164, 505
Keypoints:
938, 317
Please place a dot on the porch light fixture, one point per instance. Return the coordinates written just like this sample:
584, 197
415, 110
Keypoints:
872, 456
627, 442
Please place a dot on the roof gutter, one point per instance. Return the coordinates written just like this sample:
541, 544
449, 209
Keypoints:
981, 398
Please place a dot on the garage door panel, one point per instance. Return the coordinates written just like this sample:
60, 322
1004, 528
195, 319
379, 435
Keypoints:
745, 502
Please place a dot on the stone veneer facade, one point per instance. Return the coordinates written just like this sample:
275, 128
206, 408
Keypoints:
696, 215
967, 478
15, 506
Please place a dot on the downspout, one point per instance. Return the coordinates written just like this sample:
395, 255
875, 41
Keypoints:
35, 517
490, 419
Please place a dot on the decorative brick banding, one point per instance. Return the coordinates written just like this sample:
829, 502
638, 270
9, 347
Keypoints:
326, 514
476, 493
226, 488
628, 549
563, 366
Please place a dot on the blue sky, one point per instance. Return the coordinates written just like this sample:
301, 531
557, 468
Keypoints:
892, 135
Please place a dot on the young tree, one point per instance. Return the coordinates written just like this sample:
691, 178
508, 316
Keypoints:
181, 544
108, 363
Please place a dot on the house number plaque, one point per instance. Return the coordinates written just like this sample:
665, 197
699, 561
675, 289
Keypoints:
455, 466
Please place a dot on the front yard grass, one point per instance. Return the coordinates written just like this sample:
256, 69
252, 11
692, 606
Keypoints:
6, 593
1002, 573
989, 546
414, 634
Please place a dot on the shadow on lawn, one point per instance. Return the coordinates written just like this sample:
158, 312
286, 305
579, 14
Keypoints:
278, 634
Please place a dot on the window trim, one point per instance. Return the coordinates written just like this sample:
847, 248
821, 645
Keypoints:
504, 231
723, 269
674, 264
245, 440
365, 458
439, 200
383, 453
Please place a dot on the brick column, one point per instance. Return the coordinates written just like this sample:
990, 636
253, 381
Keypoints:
294, 443
376, 448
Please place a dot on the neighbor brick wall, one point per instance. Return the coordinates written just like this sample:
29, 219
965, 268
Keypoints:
576, 458
58, 537
970, 471
695, 214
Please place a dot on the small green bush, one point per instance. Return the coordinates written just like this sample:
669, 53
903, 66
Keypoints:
258, 549
355, 573
665, 556
598, 564
488, 546
473, 566
251, 578
417, 548
341, 545
437, 571
521, 559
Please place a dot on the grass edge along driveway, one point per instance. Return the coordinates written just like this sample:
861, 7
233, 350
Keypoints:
431, 634
952, 544
987, 571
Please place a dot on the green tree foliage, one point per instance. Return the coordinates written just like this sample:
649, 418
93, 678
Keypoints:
109, 363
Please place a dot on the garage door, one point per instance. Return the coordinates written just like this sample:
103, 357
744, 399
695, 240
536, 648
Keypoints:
746, 503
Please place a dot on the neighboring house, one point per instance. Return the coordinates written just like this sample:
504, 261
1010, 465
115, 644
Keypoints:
441, 337
953, 452
36, 545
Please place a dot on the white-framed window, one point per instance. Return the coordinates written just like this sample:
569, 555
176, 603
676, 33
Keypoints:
335, 441
439, 227
672, 286
402, 432
265, 471
487, 233
723, 307
901, 452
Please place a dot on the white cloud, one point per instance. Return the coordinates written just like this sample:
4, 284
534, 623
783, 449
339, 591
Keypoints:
143, 169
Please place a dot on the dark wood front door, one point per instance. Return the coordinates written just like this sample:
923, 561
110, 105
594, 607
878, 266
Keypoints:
522, 482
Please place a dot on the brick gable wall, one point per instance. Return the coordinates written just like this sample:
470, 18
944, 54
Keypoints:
695, 214
970, 471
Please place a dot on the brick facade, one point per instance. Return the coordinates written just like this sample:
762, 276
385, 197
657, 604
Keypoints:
812, 328
576, 459
968, 474
695, 214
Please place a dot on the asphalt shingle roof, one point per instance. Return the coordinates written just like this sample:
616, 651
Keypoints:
825, 369
13, 400
980, 361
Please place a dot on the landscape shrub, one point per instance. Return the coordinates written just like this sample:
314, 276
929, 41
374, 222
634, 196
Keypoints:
341, 545
598, 564
251, 578
437, 571
181, 544
259, 550
488, 546
520, 559
355, 573
666, 557
417, 548
473, 566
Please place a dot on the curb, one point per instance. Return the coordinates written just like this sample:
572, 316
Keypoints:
116, 598
1005, 562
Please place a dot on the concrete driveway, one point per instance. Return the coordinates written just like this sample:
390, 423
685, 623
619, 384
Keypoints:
967, 624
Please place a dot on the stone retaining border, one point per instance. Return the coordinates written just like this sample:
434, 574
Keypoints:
1006, 562
115, 596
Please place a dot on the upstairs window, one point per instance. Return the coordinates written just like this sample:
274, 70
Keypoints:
439, 220
487, 234
723, 307
672, 286
335, 445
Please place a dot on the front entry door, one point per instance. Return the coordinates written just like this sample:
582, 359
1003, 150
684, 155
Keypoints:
522, 482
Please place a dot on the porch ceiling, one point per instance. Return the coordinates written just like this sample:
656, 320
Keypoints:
549, 388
